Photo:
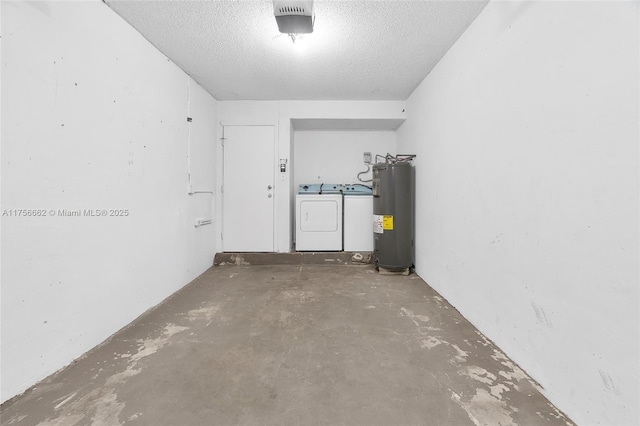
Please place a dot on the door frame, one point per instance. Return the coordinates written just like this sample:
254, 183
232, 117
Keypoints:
274, 163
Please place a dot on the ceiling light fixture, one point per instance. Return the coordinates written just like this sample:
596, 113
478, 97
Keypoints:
294, 17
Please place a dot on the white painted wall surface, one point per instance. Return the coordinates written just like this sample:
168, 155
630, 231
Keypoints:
527, 194
336, 156
201, 152
93, 117
282, 112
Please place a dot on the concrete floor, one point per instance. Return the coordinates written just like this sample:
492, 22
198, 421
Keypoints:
334, 344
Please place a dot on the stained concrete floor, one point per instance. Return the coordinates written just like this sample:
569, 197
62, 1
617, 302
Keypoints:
295, 344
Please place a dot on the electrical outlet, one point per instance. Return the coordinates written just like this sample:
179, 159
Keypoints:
367, 158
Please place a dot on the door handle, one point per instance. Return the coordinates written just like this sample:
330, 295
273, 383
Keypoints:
269, 187
269, 196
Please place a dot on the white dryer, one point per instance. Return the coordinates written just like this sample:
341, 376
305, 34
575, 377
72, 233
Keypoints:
319, 222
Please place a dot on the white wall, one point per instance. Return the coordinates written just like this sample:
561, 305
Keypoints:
527, 194
93, 117
337, 156
282, 113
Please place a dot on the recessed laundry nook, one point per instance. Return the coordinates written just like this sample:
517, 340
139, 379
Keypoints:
319, 212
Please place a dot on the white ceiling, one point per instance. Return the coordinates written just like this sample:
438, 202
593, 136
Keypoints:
359, 50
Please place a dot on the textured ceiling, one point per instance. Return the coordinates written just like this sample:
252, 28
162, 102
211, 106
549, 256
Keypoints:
359, 50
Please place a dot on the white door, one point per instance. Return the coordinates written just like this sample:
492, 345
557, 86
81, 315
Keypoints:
248, 193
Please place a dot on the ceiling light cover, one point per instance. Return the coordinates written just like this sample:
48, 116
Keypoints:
294, 16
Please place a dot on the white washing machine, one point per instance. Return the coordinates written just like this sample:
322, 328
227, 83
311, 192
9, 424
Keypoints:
319, 222
358, 223
358, 218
